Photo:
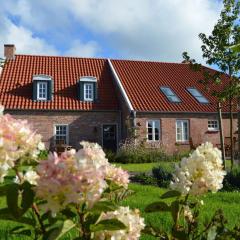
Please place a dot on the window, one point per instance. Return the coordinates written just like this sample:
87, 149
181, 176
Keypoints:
153, 130
195, 93
213, 125
41, 91
172, 97
88, 92
61, 134
182, 130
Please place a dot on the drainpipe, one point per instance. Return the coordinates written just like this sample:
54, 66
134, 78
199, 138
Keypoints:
134, 126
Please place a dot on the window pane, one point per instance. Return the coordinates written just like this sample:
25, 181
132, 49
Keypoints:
182, 131
172, 97
88, 91
198, 95
61, 134
153, 130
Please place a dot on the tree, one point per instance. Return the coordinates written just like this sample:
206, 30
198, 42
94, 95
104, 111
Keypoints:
221, 49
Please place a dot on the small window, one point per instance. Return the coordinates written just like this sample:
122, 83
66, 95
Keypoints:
195, 93
213, 125
182, 130
172, 97
88, 92
42, 91
61, 134
153, 130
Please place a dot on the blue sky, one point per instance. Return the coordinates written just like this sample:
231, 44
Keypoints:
138, 29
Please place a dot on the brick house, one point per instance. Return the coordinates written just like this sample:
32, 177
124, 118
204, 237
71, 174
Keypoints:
71, 99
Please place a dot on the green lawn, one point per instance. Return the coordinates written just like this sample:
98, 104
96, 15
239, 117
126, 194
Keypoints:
144, 195
145, 167
228, 201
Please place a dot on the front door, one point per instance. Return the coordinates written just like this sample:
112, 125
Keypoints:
109, 133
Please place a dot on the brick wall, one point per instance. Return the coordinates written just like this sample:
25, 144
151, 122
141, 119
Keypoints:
82, 125
198, 128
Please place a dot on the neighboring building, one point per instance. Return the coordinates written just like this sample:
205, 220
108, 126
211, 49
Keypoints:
71, 99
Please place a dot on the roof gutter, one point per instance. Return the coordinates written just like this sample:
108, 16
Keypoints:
119, 84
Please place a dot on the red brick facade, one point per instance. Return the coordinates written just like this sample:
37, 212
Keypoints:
198, 130
82, 125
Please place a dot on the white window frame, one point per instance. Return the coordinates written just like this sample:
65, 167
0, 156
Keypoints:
38, 90
67, 132
153, 130
88, 98
182, 121
213, 125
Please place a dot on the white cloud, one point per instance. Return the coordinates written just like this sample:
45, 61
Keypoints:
80, 49
150, 29
144, 29
23, 38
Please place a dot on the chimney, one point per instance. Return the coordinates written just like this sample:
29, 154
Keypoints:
9, 51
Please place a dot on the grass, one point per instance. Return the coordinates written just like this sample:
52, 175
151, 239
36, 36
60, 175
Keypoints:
228, 201
144, 195
145, 167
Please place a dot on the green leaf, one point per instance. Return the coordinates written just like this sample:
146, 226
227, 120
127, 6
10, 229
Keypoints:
175, 210
12, 199
157, 207
236, 48
109, 225
171, 194
3, 190
21, 230
104, 206
27, 197
180, 234
60, 232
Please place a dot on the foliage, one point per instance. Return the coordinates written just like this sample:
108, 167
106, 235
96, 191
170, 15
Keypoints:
144, 179
221, 49
162, 176
129, 152
196, 175
43, 155
231, 181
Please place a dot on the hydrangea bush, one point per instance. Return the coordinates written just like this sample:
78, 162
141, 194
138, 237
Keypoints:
77, 191
196, 175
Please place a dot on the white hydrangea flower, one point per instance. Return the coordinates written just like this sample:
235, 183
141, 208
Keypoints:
30, 176
188, 213
130, 218
201, 172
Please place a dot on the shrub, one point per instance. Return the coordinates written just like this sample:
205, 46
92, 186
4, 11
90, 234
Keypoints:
232, 180
144, 179
110, 155
162, 176
131, 153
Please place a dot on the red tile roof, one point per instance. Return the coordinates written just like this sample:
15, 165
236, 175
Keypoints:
142, 81
16, 83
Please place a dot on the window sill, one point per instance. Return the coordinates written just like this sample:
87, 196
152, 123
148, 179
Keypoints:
212, 131
182, 143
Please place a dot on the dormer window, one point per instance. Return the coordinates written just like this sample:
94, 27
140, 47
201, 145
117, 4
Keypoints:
41, 91
87, 89
88, 92
197, 95
42, 87
171, 96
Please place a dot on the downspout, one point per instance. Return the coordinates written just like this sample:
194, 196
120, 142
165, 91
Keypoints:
134, 114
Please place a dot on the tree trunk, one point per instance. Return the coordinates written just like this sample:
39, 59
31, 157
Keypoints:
221, 134
238, 109
231, 132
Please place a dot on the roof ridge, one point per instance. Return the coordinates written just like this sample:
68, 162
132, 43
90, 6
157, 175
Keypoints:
55, 56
